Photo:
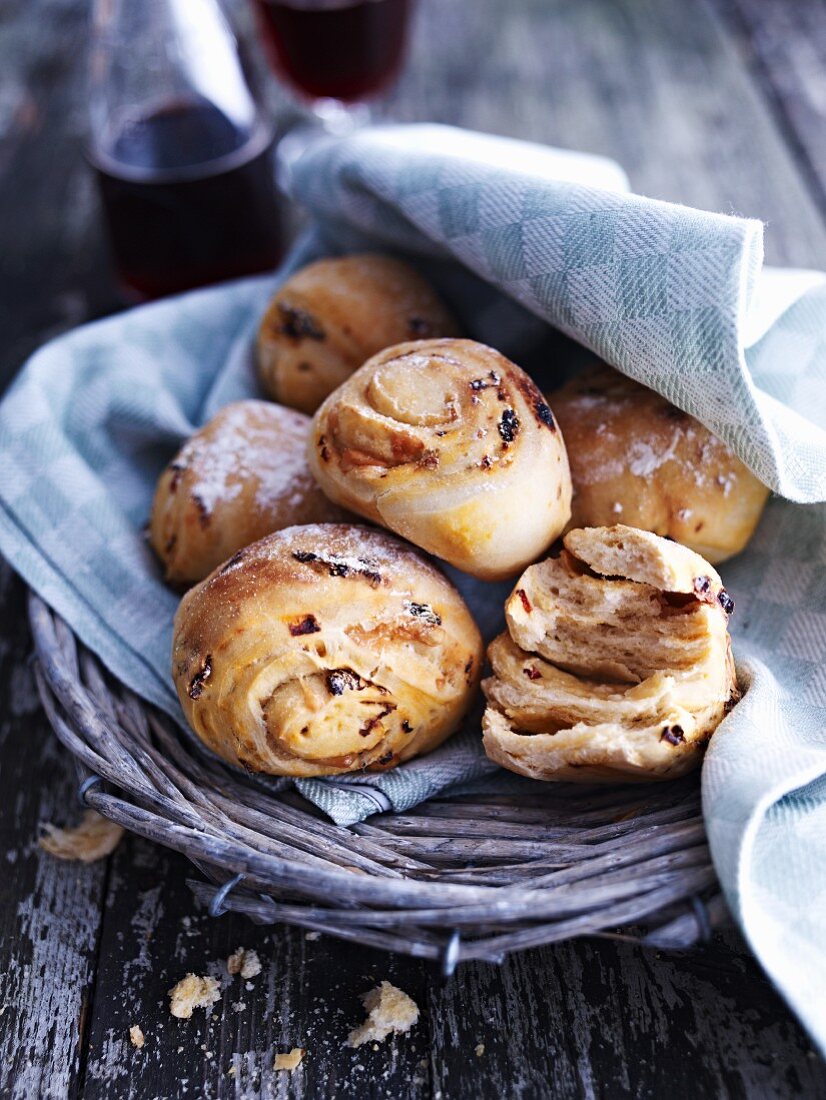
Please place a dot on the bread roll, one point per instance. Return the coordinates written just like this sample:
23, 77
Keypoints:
451, 445
322, 650
242, 476
331, 316
638, 460
616, 664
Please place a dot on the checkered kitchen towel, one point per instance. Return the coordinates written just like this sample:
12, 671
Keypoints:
515, 236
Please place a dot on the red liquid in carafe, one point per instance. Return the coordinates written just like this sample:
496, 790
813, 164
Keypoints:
189, 199
335, 49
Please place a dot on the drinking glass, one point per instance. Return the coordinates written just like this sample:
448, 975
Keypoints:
336, 55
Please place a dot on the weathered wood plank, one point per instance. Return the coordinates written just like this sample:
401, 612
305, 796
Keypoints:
784, 46
53, 267
657, 84
49, 910
601, 1019
307, 995
52, 276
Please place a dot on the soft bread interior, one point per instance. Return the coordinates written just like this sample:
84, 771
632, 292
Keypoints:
621, 551
613, 628
592, 754
537, 695
620, 675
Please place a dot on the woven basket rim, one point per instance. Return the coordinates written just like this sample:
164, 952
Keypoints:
452, 879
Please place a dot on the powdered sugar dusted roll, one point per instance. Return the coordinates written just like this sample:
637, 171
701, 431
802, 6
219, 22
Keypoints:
242, 476
638, 460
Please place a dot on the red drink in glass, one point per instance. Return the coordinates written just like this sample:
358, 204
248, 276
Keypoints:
189, 199
346, 50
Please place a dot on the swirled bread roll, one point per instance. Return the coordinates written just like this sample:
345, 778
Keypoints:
616, 664
451, 445
638, 460
325, 649
240, 477
331, 316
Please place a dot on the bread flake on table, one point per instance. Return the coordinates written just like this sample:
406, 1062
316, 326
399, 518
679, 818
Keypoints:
389, 1009
193, 992
94, 838
244, 962
290, 1060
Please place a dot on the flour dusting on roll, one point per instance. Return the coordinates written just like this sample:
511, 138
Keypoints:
322, 650
638, 460
451, 445
616, 663
240, 477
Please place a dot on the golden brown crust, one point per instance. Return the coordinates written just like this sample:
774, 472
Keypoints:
451, 445
322, 650
607, 678
638, 460
242, 476
331, 316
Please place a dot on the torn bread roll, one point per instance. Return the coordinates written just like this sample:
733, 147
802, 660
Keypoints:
322, 650
240, 477
451, 445
638, 460
616, 664
332, 315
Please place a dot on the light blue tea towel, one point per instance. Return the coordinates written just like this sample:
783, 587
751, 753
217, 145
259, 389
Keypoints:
515, 237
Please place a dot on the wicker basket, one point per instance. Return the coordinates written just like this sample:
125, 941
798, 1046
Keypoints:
455, 879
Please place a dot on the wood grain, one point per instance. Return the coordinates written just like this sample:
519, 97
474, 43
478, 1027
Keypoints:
657, 84
566, 1021
54, 268
599, 1019
700, 108
784, 47
50, 911
307, 996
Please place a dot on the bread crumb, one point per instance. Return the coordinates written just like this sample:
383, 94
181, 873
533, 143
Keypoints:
231, 1071
252, 965
289, 1061
479, 1050
243, 962
94, 838
136, 1036
388, 1009
193, 992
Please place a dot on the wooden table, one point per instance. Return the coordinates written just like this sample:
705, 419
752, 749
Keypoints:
721, 105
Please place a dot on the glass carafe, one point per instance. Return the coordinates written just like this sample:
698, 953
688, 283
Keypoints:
181, 145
